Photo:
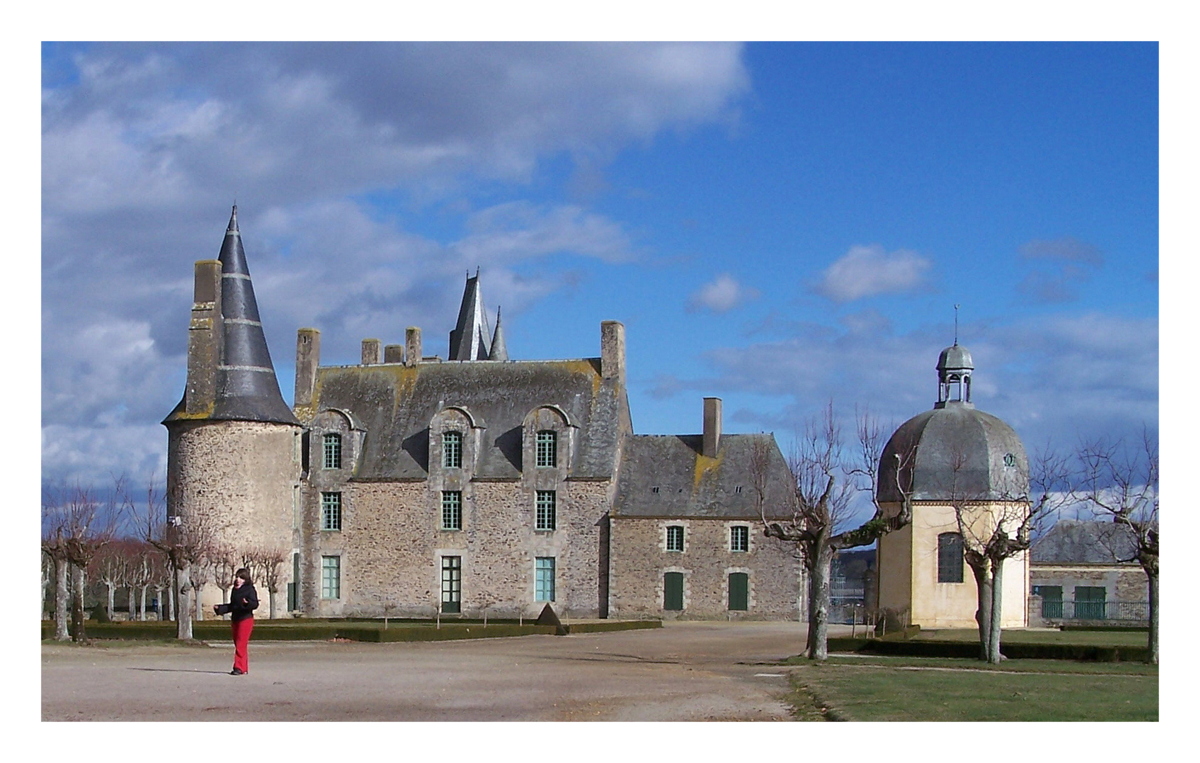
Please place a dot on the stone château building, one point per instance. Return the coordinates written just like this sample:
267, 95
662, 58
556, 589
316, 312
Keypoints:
408, 484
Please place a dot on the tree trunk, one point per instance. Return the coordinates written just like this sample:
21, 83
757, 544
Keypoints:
994, 656
172, 612
111, 606
818, 618
78, 616
1152, 639
199, 610
273, 595
983, 607
62, 600
142, 605
183, 628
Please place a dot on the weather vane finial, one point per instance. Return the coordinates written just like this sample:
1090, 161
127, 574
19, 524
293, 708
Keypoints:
956, 324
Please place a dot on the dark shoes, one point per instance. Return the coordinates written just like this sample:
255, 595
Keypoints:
236, 672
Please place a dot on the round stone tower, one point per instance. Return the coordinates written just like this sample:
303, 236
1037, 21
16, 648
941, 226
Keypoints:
949, 460
233, 453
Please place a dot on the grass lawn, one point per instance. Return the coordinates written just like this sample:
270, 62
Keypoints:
918, 689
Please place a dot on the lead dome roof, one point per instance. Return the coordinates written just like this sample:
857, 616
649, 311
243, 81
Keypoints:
953, 451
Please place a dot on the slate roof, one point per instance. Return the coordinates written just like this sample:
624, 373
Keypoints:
955, 451
666, 476
1076, 541
247, 388
395, 404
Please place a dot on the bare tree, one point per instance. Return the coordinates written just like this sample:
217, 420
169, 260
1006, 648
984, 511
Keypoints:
1121, 483
54, 547
825, 482
266, 565
184, 542
76, 525
998, 524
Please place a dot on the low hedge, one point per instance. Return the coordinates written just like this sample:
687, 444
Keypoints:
970, 649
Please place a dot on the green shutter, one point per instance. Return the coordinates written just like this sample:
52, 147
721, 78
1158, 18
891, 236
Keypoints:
739, 591
673, 591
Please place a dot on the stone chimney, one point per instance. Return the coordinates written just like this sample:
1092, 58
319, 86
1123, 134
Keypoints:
393, 353
372, 352
205, 335
712, 427
412, 341
612, 351
308, 357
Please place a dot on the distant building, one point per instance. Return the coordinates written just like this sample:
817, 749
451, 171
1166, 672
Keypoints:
1085, 571
952, 454
408, 484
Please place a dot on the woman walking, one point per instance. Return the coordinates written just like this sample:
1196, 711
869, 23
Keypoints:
242, 603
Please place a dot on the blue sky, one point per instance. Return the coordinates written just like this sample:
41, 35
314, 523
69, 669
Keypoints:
778, 225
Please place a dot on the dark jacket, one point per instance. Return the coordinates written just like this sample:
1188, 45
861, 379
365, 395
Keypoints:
243, 600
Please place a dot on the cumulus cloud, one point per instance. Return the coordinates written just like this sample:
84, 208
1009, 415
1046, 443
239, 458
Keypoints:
865, 271
145, 146
721, 295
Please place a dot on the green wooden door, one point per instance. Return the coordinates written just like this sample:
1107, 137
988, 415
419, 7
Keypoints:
673, 591
1089, 602
739, 591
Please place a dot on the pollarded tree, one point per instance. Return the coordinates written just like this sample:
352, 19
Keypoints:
1121, 484
825, 481
184, 542
76, 525
999, 527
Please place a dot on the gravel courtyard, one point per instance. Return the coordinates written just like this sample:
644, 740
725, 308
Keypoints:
685, 671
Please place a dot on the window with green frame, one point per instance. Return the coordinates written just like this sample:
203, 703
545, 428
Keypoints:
452, 450
739, 538
451, 509
331, 577
543, 581
675, 538
331, 511
332, 451
546, 509
547, 448
451, 584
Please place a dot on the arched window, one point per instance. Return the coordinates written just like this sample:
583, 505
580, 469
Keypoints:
950, 558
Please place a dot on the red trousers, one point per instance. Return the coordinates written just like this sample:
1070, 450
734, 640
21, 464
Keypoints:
241, 640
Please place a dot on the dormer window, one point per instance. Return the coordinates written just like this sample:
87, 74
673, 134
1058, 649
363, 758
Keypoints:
332, 451
452, 450
547, 448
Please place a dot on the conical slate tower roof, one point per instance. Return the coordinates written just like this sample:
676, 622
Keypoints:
499, 349
469, 340
247, 388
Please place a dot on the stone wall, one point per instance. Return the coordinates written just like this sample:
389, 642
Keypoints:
239, 480
391, 545
640, 559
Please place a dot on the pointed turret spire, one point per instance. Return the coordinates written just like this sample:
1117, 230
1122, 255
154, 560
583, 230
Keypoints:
499, 350
469, 340
246, 386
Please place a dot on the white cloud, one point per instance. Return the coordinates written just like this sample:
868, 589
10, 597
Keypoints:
721, 295
1052, 379
145, 146
865, 271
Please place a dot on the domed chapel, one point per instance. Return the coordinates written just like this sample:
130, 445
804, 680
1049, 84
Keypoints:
951, 461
